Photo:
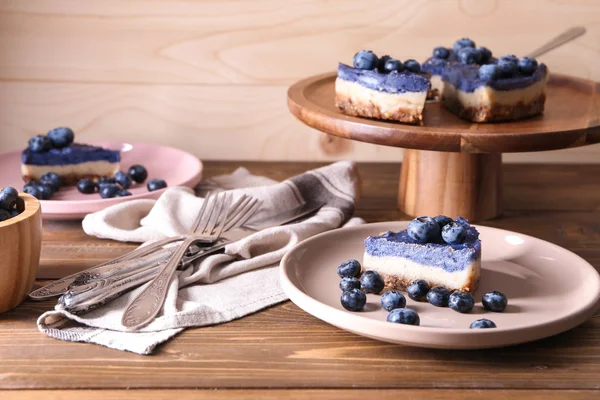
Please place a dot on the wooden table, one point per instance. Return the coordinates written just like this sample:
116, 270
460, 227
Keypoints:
282, 352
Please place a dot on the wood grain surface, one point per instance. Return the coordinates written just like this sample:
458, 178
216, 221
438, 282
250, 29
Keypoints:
200, 74
284, 348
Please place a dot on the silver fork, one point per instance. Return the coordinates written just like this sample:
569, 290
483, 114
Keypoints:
148, 303
98, 292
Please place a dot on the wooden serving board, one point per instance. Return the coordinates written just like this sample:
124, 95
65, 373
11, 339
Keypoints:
452, 166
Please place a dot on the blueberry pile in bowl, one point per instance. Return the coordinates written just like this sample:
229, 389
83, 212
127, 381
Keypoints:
9, 203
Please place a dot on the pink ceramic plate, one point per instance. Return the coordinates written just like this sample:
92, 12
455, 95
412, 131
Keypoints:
549, 290
175, 166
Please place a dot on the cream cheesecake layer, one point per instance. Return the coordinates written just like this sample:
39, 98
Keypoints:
388, 104
437, 85
409, 271
485, 96
91, 168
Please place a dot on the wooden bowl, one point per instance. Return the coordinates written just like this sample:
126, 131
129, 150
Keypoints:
20, 246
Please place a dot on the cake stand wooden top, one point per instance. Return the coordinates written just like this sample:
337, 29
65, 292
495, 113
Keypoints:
571, 119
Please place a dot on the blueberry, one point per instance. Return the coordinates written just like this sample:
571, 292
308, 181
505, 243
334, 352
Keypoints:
123, 193
104, 180
109, 190
423, 229
4, 215
8, 198
123, 179
442, 220
468, 55
14, 212
61, 137
506, 68
463, 302
353, 300
51, 179
138, 173
484, 55
441, 53
527, 65
392, 299
404, 316
482, 324
510, 57
372, 282
46, 191
364, 59
349, 268
438, 296
86, 186
33, 190
39, 144
489, 72
453, 233
461, 43
494, 301
349, 283
418, 290
381, 63
393, 65
156, 184
412, 66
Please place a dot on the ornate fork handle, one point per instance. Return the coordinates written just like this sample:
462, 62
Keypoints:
149, 302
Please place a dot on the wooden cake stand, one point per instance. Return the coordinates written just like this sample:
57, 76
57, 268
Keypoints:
452, 166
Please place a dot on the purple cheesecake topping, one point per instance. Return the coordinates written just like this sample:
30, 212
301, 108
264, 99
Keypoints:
450, 258
73, 154
465, 77
392, 82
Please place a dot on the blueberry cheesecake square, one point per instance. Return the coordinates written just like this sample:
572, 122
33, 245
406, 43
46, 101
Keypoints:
476, 86
440, 251
382, 88
57, 153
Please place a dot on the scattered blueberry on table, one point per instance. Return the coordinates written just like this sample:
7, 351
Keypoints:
372, 282
463, 302
123, 193
494, 301
109, 190
438, 296
348, 283
33, 190
349, 268
482, 323
61, 137
365, 59
8, 203
404, 316
156, 184
392, 299
103, 180
123, 179
86, 186
353, 300
418, 290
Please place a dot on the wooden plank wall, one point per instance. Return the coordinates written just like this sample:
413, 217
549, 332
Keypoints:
211, 75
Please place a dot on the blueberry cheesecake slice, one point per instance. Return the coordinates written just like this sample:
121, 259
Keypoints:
440, 251
382, 88
56, 152
507, 90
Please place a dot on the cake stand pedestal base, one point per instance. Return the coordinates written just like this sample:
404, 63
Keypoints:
453, 184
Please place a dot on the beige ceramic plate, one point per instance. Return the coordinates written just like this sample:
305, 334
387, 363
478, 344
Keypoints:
549, 290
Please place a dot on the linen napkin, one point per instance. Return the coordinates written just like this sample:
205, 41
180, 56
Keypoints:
221, 287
